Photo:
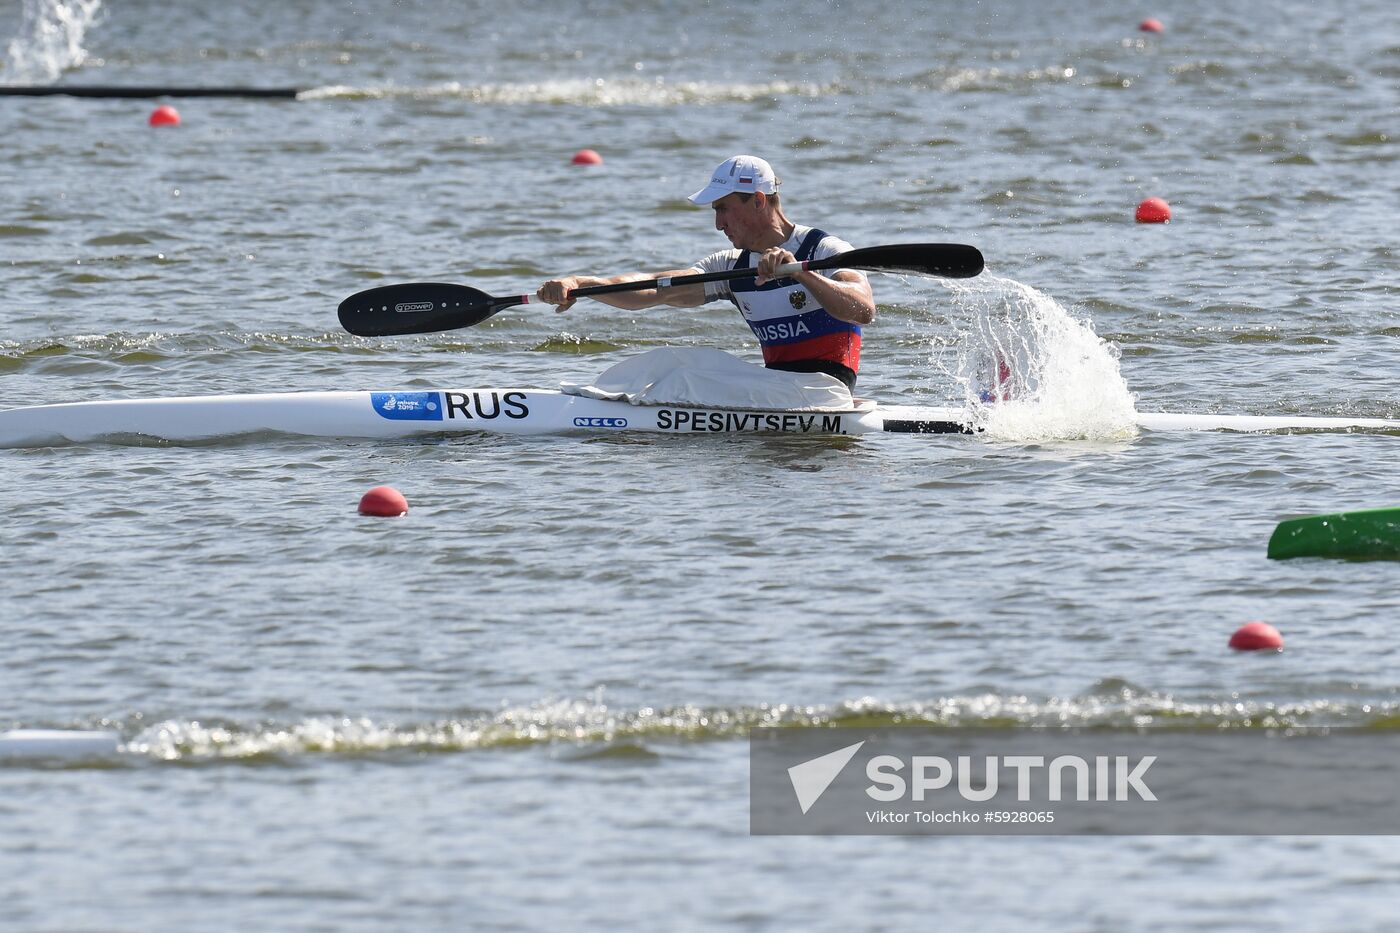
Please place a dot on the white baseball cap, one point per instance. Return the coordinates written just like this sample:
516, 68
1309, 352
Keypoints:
743, 173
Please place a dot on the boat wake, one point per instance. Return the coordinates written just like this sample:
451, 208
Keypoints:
1028, 369
582, 92
591, 726
49, 41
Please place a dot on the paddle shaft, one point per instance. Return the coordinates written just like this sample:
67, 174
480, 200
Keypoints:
78, 90
639, 285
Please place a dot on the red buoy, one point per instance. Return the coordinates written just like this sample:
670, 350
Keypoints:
1153, 211
587, 157
1151, 25
165, 115
1256, 636
383, 501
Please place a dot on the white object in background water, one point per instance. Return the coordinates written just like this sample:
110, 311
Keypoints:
50, 40
56, 743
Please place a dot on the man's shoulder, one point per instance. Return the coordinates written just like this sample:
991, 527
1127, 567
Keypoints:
828, 245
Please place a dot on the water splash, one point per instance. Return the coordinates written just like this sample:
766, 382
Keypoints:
49, 41
1030, 370
585, 92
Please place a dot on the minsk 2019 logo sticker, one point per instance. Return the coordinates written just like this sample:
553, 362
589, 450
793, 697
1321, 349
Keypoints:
407, 406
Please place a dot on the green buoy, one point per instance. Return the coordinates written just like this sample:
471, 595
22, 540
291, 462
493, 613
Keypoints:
1368, 534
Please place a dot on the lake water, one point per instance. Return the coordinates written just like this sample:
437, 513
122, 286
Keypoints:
526, 703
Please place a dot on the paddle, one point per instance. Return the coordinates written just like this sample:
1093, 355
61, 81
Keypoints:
104, 90
425, 307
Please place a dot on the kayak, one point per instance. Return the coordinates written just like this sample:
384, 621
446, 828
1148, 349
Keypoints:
400, 414
57, 743
412, 413
1365, 534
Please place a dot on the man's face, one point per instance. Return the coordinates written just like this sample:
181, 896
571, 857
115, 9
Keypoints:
742, 221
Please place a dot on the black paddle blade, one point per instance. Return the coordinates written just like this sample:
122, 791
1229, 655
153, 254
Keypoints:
950, 260
418, 308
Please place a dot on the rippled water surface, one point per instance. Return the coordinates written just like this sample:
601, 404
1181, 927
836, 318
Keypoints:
525, 703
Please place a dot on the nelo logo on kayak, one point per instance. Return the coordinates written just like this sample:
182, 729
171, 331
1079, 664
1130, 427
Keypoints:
408, 307
486, 406
600, 422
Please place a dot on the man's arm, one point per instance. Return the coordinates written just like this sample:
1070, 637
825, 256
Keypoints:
556, 291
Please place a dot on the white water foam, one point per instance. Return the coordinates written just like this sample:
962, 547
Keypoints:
1029, 370
586, 92
49, 41
590, 721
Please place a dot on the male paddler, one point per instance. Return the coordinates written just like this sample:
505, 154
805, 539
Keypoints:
809, 323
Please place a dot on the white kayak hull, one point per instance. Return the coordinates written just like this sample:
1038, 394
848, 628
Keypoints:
410, 413
57, 743
516, 411
1168, 421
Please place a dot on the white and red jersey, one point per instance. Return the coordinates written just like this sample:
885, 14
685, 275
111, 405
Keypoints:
789, 324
